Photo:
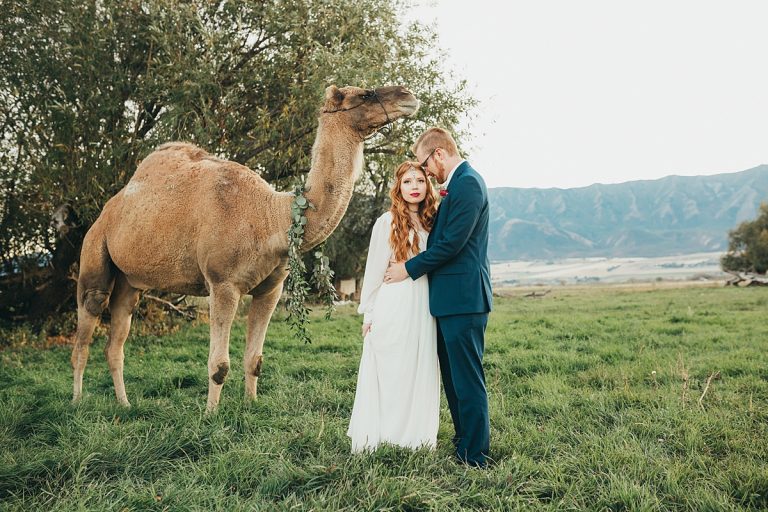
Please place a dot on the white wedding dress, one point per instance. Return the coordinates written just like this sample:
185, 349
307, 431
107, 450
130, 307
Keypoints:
397, 399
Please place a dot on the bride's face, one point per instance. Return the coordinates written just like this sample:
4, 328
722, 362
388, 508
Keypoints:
413, 186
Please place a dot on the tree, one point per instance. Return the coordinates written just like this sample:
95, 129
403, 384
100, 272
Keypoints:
87, 89
748, 245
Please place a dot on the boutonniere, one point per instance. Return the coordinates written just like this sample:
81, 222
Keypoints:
443, 192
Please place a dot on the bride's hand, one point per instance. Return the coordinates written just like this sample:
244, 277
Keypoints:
395, 272
366, 329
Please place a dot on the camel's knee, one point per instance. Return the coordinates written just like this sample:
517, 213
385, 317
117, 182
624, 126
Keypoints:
218, 376
95, 301
255, 369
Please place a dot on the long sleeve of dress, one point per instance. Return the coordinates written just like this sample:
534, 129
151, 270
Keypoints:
379, 254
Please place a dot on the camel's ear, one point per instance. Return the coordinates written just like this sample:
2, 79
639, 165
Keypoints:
333, 97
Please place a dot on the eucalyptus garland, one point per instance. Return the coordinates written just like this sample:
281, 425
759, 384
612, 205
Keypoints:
296, 285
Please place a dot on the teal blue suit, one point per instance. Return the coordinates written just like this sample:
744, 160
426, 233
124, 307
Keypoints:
456, 261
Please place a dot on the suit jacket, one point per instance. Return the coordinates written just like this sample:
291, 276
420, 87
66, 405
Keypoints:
456, 258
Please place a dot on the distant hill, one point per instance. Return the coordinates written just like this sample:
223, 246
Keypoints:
672, 215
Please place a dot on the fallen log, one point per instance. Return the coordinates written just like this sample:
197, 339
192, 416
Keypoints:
744, 279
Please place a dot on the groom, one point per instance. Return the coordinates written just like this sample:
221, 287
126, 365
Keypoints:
456, 261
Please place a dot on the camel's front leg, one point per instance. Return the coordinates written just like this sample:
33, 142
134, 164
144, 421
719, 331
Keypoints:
224, 299
262, 307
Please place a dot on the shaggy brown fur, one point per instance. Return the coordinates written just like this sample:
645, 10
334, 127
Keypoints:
191, 223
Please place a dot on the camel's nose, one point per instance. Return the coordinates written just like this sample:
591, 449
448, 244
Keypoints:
398, 90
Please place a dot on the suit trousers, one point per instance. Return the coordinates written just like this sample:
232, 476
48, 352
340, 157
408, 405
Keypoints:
460, 346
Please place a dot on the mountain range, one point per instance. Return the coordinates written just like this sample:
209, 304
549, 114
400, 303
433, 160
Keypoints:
663, 217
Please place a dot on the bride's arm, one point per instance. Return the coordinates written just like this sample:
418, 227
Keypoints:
379, 253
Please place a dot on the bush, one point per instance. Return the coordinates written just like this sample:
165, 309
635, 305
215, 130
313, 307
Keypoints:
748, 246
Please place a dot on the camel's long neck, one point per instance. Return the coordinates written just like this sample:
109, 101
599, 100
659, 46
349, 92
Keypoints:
337, 160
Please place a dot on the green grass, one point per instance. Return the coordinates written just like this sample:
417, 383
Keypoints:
579, 419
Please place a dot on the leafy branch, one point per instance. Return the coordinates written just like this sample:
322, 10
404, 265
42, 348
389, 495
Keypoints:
296, 285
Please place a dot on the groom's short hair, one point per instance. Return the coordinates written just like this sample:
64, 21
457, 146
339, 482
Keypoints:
436, 137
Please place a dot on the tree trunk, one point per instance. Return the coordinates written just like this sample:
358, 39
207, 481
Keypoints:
57, 292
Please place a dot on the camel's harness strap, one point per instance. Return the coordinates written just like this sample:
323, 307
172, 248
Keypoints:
366, 96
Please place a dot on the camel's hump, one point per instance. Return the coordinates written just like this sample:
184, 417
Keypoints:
191, 151
181, 157
183, 162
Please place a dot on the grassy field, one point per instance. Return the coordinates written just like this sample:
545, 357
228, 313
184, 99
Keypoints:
595, 398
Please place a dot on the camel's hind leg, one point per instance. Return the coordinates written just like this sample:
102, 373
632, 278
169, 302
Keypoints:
123, 301
86, 323
224, 299
262, 307
94, 285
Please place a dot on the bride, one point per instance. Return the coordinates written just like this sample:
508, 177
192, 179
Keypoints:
397, 399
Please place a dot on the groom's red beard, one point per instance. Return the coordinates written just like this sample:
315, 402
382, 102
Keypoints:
443, 171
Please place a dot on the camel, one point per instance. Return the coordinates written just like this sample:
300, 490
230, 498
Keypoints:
190, 223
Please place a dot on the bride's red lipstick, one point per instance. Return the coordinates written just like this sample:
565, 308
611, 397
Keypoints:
415, 194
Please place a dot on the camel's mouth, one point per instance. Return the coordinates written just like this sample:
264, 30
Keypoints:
408, 108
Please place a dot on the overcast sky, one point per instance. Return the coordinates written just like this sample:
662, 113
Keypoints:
606, 91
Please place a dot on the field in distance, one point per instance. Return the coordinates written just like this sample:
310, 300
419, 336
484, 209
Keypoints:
687, 267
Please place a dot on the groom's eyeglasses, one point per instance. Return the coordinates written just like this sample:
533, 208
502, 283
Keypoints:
426, 160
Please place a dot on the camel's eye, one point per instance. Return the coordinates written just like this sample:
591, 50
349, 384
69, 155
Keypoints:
368, 95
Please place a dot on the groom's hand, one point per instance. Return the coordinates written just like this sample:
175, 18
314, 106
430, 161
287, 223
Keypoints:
396, 272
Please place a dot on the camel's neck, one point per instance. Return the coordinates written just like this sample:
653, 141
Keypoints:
337, 160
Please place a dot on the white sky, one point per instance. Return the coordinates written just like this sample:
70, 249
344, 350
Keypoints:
606, 91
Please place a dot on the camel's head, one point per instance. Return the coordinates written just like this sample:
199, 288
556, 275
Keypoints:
367, 110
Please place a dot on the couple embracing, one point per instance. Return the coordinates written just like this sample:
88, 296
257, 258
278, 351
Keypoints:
425, 299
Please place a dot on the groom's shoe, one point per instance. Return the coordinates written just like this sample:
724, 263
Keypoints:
471, 463
475, 463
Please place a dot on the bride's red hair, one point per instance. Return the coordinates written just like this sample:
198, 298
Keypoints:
402, 247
